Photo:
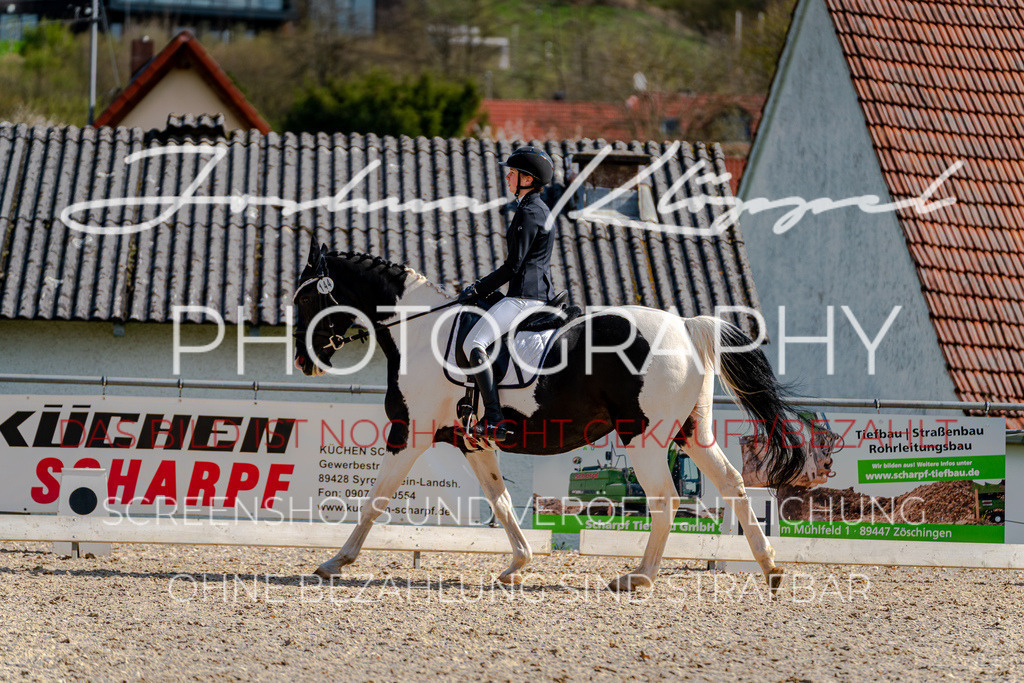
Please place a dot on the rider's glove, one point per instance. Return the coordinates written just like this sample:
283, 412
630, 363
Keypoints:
468, 294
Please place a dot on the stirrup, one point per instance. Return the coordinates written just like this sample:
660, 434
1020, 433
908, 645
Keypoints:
465, 409
497, 434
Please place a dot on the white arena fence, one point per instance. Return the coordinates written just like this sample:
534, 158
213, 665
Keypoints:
715, 548
438, 539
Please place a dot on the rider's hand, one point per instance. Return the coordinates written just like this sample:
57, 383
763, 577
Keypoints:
468, 294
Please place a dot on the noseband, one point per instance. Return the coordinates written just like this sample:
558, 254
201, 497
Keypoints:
325, 288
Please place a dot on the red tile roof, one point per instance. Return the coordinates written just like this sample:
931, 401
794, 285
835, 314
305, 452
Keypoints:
734, 166
638, 118
552, 120
939, 81
183, 50
629, 120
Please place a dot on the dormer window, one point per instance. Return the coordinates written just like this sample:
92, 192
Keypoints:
616, 170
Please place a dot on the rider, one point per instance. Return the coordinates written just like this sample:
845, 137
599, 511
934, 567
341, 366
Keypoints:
527, 269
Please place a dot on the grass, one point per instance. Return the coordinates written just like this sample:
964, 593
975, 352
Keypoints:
10, 47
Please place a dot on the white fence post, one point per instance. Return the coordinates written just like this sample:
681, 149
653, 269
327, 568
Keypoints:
762, 502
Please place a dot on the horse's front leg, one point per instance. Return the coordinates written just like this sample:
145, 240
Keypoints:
485, 467
393, 473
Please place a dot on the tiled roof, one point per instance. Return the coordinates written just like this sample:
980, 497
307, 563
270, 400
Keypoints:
572, 120
734, 166
227, 257
183, 51
554, 120
940, 81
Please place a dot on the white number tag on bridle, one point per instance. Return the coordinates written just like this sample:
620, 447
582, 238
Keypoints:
325, 285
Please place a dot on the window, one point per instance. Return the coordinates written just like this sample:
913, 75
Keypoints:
616, 170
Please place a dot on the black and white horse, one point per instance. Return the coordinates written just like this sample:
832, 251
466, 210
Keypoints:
636, 370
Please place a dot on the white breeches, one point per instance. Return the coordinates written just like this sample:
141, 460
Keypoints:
497, 321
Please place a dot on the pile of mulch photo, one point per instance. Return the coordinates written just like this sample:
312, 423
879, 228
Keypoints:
543, 505
942, 502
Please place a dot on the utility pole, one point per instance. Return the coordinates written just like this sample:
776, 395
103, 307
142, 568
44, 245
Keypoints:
94, 18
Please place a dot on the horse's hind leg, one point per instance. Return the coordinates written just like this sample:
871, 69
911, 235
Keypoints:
651, 468
485, 466
712, 462
391, 476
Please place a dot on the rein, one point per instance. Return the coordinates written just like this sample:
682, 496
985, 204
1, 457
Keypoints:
325, 287
364, 334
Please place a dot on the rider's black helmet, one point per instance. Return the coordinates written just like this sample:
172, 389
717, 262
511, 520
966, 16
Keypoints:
533, 161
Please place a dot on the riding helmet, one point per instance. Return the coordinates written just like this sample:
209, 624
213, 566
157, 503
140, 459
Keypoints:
533, 161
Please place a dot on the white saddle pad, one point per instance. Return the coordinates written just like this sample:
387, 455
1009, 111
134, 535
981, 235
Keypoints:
528, 349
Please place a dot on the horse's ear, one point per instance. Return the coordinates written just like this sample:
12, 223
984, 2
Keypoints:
321, 261
314, 251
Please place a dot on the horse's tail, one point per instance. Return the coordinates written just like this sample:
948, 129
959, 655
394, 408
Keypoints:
745, 371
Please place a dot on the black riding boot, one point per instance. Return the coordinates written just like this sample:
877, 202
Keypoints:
490, 425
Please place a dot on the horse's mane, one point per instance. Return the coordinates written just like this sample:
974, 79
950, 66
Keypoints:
387, 272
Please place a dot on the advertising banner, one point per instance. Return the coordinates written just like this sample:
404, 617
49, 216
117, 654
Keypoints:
222, 459
595, 488
866, 476
904, 478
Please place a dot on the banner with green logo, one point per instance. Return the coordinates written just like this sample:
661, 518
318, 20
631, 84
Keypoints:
901, 478
865, 476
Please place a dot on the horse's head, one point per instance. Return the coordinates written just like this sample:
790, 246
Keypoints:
335, 291
323, 304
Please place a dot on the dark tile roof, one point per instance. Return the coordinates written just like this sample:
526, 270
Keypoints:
939, 82
223, 258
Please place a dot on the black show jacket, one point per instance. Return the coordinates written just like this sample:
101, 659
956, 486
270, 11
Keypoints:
527, 268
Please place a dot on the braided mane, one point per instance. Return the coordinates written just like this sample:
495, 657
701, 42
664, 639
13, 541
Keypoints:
388, 273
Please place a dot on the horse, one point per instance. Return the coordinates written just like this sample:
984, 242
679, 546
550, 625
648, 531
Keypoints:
632, 369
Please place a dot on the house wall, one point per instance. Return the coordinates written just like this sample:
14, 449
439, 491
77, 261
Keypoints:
181, 91
146, 350
813, 142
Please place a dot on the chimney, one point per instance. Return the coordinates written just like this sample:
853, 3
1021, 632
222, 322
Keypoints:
142, 52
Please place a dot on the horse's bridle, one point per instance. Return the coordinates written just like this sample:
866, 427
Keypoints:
325, 286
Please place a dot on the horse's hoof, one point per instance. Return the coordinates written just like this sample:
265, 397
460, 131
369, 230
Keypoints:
513, 579
326, 571
774, 577
629, 582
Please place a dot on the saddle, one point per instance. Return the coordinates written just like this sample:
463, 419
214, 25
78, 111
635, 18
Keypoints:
532, 342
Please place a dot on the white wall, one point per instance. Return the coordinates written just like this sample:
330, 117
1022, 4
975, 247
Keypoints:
146, 350
813, 142
181, 91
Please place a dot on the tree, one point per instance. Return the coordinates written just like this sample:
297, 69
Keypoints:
47, 78
711, 16
762, 46
376, 103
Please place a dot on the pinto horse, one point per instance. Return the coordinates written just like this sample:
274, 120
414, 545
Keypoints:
633, 369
